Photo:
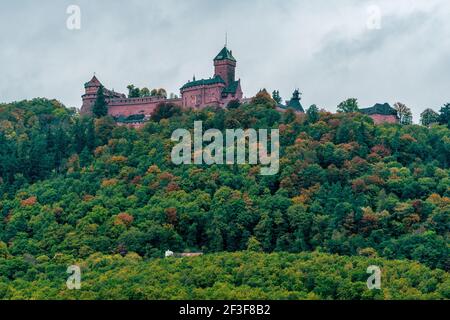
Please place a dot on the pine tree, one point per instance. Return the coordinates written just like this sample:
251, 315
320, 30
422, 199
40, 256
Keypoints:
444, 115
100, 108
313, 114
90, 135
85, 157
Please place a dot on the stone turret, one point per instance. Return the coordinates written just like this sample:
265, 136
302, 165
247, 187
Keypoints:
91, 88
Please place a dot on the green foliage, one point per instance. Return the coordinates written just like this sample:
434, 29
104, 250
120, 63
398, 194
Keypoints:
144, 92
444, 115
242, 275
348, 106
429, 117
165, 111
100, 108
404, 113
78, 189
312, 114
234, 104
134, 92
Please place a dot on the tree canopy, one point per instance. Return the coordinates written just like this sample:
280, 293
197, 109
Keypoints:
349, 192
348, 106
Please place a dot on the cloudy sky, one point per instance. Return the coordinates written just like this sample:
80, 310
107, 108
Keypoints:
376, 51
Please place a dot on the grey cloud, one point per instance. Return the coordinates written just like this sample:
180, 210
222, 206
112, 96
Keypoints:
322, 47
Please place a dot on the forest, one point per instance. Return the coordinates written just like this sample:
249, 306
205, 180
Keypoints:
83, 190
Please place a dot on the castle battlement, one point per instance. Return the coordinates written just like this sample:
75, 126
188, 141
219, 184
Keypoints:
132, 101
216, 91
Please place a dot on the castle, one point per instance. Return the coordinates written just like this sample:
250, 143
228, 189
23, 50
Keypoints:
216, 91
381, 113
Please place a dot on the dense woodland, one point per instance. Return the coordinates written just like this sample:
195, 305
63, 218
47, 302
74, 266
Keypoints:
223, 276
349, 193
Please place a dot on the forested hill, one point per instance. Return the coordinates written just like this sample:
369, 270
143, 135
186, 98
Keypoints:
224, 276
74, 187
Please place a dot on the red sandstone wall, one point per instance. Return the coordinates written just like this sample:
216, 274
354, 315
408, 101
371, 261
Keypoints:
200, 97
128, 110
128, 107
380, 119
239, 95
225, 69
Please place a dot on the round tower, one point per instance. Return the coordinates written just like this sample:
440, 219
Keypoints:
91, 89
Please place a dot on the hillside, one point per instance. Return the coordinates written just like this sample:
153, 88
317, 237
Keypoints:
242, 275
81, 189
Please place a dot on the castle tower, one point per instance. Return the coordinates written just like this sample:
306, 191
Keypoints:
90, 95
225, 66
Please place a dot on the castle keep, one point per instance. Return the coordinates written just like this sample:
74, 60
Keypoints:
216, 91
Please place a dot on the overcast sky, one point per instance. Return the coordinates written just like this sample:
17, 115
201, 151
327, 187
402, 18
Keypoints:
331, 50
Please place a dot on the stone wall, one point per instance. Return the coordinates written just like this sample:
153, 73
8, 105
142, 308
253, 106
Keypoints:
380, 119
127, 107
202, 96
226, 70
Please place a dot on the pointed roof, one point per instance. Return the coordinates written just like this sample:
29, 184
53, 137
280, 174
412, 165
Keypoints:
225, 54
294, 103
383, 109
93, 82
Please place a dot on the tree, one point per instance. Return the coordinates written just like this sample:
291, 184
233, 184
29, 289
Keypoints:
165, 111
312, 114
90, 135
104, 128
85, 157
404, 113
4, 253
144, 92
348, 106
344, 186
133, 92
254, 245
276, 96
100, 108
444, 115
428, 117
234, 104
162, 93
263, 97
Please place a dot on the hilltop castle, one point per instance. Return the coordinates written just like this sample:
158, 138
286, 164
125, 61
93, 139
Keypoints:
216, 91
